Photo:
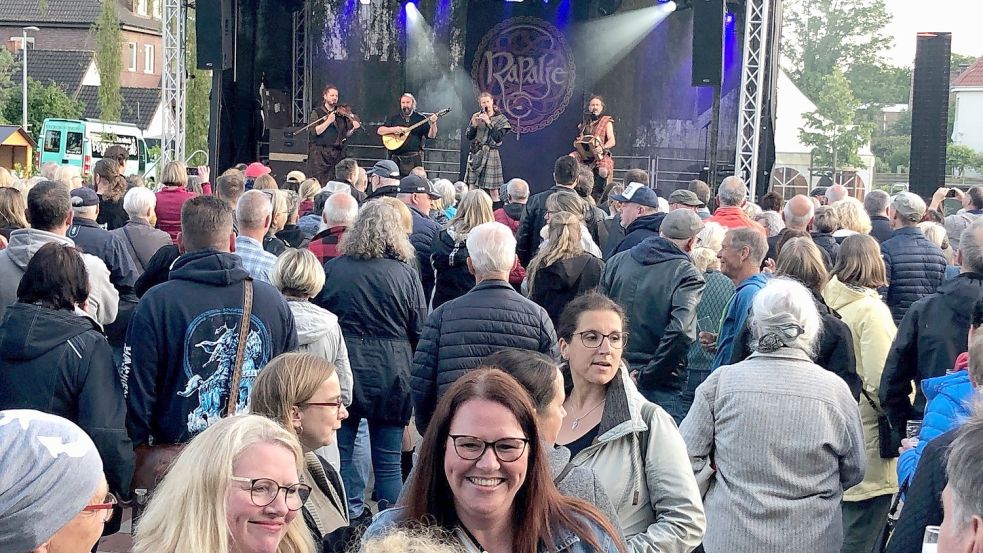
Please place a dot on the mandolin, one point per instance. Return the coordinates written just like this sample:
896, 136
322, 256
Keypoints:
395, 141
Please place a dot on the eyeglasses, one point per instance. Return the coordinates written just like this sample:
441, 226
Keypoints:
263, 491
592, 339
506, 450
108, 505
335, 404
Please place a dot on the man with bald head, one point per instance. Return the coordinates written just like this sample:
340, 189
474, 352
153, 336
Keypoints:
797, 214
731, 197
836, 193
254, 212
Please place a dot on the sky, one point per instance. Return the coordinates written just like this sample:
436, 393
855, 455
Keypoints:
963, 18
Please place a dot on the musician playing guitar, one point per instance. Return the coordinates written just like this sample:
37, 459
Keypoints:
328, 136
594, 142
410, 154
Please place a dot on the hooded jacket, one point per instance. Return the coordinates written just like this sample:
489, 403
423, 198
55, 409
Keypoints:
449, 255
103, 301
510, 214
872, 332
425, 232
930, 337
293, 236
641, 461
380, 308
915, 268
458, 334
580, 482
181, 346
318, 333
659, 288
641, 228
59, 362
558, 284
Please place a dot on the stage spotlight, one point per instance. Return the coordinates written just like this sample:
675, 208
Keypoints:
365, 2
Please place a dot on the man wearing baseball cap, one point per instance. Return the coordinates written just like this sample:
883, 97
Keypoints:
294, 178
659, 287
915, 265
417, 193
383, 179
640, 216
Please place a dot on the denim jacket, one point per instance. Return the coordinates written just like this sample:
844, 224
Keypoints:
566, 540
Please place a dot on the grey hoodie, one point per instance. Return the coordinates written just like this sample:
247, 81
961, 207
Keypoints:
582, 483
103, 301
318, 333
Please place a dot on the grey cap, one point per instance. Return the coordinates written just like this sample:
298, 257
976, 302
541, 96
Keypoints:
681, 224
51, 470
685, 197
909, 206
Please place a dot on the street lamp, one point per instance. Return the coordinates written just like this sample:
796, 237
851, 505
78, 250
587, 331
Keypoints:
23, 46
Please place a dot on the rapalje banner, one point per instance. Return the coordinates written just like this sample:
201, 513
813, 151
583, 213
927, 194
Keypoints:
520, 53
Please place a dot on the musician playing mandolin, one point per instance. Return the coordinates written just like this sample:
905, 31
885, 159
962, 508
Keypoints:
486, 132
410, 154
328, 136
594, 142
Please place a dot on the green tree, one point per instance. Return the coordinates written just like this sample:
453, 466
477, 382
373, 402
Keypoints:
7, 88
892, 153
959, 60
960, 158
198, 89
43, 101
822, 35
109, 60
831, 129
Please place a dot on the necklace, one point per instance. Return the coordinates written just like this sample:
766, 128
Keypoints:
576, 421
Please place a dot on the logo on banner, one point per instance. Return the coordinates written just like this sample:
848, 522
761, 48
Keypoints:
527, 65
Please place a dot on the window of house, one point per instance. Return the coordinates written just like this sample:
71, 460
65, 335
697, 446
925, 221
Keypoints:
131, 56
157, 8
148, 58
140, 7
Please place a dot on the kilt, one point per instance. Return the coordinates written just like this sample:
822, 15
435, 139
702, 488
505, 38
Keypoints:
485, 169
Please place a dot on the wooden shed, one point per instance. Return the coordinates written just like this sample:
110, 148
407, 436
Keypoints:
16, 147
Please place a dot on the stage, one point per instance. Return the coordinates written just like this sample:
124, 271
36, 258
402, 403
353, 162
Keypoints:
541, 60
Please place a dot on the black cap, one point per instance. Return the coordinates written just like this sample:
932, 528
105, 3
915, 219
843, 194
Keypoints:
415, 184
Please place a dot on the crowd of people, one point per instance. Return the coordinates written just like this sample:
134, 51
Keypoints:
388, 363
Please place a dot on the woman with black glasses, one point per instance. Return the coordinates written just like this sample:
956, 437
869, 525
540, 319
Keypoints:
632, 445
302, 392
234, 488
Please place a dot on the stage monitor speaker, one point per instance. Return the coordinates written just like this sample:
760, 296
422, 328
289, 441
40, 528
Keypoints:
929, 112
276, 108
708, 42
214, 31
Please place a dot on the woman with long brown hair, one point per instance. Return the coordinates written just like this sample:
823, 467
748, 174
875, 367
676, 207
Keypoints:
562, 270
110, 186
483, 475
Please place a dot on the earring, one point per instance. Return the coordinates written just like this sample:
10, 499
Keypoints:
300, 429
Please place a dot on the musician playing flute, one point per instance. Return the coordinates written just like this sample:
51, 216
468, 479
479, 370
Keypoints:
328, 137
410, 154
486, 132
594, 142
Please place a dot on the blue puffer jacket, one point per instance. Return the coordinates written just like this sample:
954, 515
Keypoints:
949, 405
489, 318
915, 268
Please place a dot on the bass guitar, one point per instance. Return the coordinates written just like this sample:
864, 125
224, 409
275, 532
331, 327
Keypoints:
395, 141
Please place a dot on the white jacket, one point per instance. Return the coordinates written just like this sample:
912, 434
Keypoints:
103, 301
643, 465
318, 333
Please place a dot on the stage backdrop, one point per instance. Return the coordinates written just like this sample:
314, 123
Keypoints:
521, 53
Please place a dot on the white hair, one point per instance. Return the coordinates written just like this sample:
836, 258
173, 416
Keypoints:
340, 210
782, 304
712, 236
446, 190
772, 222
48, 170
253, 208
518, 189
663, 205
65, 174
138, 201
732, 192
86, 212
460, 189
752, 210
491, 247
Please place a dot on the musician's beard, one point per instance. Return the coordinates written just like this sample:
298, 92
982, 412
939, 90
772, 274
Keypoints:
594, 116
406, 111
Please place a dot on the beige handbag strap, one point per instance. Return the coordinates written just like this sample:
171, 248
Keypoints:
247, 313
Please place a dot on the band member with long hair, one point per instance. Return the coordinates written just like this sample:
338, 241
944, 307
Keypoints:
327, 144
486, 132
594, 142
410, 154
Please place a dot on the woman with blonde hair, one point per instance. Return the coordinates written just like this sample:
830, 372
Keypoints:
574, 204
802, 260
278, 219
712, 236
6, 178
171, 197
852, 291
265, 182
853, 218
562, 270
421, 539
13, 210
405, 217
375, 290
937, 234
308, 189
302, 392
450, 251
234, 488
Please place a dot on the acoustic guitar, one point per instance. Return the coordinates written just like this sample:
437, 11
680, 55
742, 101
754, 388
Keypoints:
395, 141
